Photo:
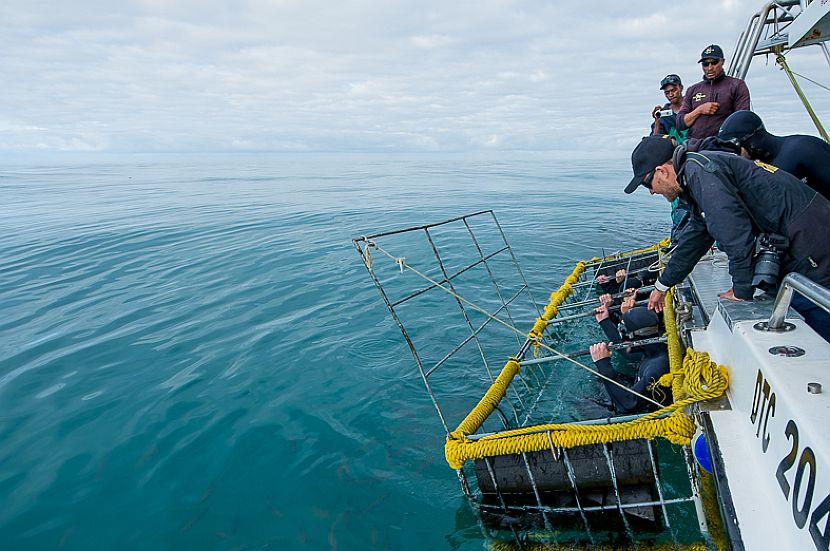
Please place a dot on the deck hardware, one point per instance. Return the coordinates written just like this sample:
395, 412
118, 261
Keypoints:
764, 326
683, 311
809, 289
814, 388
787, 351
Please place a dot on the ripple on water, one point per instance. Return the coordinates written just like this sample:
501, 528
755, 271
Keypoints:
192, 356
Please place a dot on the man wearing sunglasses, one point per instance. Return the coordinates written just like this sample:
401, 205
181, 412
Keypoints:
707, 103
733, 200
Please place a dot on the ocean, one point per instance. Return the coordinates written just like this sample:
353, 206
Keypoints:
193, 356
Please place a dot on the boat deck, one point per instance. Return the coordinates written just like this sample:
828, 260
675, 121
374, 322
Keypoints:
711, 277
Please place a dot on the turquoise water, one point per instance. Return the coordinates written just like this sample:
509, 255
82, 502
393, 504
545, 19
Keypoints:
192, 355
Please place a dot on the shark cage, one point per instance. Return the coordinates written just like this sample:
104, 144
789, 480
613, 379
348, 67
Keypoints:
541, 465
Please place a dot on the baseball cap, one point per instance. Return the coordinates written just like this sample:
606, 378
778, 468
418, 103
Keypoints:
712, 51
670, 79
651, 152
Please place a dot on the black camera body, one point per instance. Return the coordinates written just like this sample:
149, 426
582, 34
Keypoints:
769, 248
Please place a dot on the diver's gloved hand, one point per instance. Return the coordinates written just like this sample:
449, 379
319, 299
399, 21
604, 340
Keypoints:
600, 351
627, 304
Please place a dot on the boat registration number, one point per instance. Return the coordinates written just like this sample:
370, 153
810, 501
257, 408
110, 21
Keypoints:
797, 471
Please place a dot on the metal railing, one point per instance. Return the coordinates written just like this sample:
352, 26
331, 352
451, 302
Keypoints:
809, 289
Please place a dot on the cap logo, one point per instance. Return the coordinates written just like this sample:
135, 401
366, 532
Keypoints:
699, 96
708, 50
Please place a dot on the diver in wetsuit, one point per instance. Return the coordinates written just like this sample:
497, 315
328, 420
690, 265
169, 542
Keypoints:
805, 157
639, 323
619, 283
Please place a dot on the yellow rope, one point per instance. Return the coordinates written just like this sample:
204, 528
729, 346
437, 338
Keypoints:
693, 378
657, 246
556, 299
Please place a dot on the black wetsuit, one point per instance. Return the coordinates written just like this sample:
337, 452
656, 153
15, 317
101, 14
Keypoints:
805, 157
654, 363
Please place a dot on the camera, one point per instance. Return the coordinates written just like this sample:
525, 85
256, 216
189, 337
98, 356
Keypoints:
665, 113
769, 248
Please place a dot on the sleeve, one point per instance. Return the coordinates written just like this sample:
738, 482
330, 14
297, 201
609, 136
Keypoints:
694, 241
623, 400
741, 96
728, 222
610, 330
817, 167
685, 109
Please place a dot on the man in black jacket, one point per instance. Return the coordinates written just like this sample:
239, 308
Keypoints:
805, 157
733, 200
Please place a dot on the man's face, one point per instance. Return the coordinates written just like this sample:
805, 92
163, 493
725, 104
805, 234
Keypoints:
665, 183
712, 68
673, 92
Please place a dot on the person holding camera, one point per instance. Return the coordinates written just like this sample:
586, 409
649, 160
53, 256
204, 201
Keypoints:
765, 220
707, 103
665, 117
805, 157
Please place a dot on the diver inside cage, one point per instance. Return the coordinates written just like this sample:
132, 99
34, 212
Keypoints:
652, 360
622, 280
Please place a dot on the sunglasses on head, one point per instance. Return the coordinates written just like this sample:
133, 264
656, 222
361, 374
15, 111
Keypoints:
708, 62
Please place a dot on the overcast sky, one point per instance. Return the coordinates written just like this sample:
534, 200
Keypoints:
308, 75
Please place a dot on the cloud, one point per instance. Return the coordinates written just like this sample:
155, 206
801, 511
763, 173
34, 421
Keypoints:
358, 75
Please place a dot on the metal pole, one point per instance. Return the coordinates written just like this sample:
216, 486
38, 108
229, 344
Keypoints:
555, 321
613, 346
595, 300
780, 60
809, 289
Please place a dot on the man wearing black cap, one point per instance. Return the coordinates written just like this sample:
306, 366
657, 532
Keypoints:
734, 200
666, 123
707, 103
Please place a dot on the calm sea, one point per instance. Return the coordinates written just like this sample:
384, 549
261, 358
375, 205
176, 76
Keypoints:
192, 355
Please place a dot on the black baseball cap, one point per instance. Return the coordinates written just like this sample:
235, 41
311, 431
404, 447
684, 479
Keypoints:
712, 51
651, 152
670, 79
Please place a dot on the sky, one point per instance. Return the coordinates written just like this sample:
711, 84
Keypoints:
369, 76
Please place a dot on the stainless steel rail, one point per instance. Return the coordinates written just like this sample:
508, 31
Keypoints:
809, 289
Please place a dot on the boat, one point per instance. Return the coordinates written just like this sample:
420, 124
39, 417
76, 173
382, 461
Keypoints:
739, 459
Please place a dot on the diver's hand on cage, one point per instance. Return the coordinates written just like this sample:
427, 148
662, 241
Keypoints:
730, 295
601, 313
602, 279
606, 300
619, 277
627, 304
630, 292
657, 300
600, 351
